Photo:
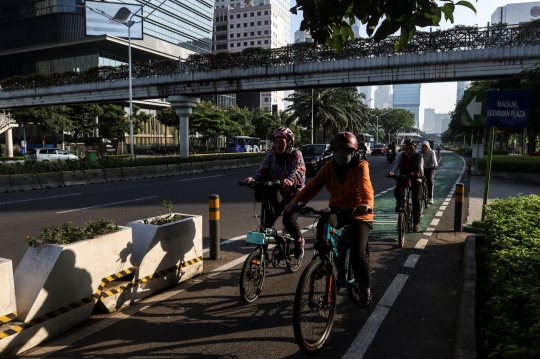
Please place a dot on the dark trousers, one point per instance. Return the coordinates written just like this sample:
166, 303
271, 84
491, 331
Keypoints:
416, 188
357, 233
273, 209
429, 174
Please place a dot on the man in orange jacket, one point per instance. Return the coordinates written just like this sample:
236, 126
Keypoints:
347, 179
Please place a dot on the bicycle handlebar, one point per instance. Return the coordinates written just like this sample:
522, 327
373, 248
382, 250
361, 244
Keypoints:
261, 183
325, 211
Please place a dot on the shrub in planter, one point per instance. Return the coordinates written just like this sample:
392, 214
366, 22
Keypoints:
509, 319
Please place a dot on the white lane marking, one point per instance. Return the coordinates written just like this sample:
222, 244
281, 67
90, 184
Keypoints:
108, 204
421, 244
411, 261
361, 343
40, 198
439, 214
191, 179
384, 191
428, 232
377, 195
384, 222
434, 222
443, 208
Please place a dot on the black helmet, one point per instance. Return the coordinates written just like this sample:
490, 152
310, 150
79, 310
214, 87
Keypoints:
409, 142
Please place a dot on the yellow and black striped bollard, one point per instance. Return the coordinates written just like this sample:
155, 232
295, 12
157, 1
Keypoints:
458, 212
213, 216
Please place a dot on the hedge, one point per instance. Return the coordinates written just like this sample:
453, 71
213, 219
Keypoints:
505, 163
509, 319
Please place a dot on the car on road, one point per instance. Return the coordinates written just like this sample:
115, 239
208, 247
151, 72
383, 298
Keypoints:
48, 154
315, 156
378, 149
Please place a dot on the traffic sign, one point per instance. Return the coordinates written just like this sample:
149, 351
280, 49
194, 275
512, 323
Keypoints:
496, 108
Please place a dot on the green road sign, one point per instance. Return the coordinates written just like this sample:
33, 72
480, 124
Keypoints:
473, 108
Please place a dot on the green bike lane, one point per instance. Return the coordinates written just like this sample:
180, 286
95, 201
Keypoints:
385, 221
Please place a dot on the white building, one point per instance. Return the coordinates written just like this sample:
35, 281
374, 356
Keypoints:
429, 121
383, 97
366, 90
302, 36
263, 23
517, 13
461, 87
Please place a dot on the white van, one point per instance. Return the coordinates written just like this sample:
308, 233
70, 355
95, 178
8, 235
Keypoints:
48, 154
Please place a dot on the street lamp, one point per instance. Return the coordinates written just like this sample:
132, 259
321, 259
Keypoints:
377, 129
125, 17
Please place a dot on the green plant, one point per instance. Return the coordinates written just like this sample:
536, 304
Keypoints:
509, 318
159, 219
68, 233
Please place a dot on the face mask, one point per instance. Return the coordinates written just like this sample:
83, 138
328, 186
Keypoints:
342, 158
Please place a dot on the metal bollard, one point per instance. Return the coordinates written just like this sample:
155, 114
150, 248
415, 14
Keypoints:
458, 213
213, 216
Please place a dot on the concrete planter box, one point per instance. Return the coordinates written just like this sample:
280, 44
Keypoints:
170, 253
57, 286
8, 309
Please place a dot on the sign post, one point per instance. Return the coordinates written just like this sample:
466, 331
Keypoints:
508, 109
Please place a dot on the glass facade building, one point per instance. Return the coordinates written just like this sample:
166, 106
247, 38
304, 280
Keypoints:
408, 97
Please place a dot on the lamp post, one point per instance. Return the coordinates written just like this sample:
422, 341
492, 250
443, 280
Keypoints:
126, 18
377, 129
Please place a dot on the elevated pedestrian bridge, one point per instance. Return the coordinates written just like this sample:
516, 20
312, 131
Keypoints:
461, 53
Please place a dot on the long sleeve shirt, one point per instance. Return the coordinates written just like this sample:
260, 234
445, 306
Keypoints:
430, 158
354, 190
293, 168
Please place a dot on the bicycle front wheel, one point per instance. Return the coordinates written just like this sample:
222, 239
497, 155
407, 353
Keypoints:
252, 277
402, 225
314, 306
425, 198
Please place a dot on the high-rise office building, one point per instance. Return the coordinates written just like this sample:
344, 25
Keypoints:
264, 23
383, 97
461, 87
445, 122
519, 13
442, 120
408, 97
302, 36
50, 36
366, 90
429, 120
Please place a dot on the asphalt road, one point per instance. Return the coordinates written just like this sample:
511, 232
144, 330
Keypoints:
415, 292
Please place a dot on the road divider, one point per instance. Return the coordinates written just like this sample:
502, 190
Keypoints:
113, 174
8, 307
51, 180
131, 173
74, 178
95, 176
24, 182
5, 184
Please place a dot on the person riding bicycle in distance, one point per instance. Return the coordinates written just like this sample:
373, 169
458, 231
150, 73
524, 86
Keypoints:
410, 164
430, 166
347, 179
285, 164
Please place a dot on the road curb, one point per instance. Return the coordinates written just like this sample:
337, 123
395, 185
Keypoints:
465, 338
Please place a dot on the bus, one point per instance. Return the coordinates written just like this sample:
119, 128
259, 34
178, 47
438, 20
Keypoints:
367, 139
243, 144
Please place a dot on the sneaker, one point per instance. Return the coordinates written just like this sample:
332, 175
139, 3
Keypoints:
299, 248
430, 201
416, 227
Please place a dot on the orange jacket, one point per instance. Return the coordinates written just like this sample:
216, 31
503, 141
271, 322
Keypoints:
356, 188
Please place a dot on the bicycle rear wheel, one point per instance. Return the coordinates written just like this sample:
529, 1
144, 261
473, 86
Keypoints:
314, 306
425, 199
292, 263
252, 277
402, 225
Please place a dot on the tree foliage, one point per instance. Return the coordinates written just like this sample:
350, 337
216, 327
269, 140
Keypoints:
50, 120
329, 21
83, 118
334, 110
391, 121
113, 123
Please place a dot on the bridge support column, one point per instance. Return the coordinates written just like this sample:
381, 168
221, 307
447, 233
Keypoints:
184, 105
9, 142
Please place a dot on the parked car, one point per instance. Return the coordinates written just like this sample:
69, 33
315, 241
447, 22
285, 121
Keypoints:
48, 154
315, 156
378, 149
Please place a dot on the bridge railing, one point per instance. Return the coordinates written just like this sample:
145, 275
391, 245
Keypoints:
457, 38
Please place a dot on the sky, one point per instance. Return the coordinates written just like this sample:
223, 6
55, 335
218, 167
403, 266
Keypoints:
430, 94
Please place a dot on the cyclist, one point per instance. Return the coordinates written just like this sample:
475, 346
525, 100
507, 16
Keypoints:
347, 179
411, 164
430, 166
285, 164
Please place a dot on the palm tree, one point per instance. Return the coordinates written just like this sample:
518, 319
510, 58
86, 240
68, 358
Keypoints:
334, 110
